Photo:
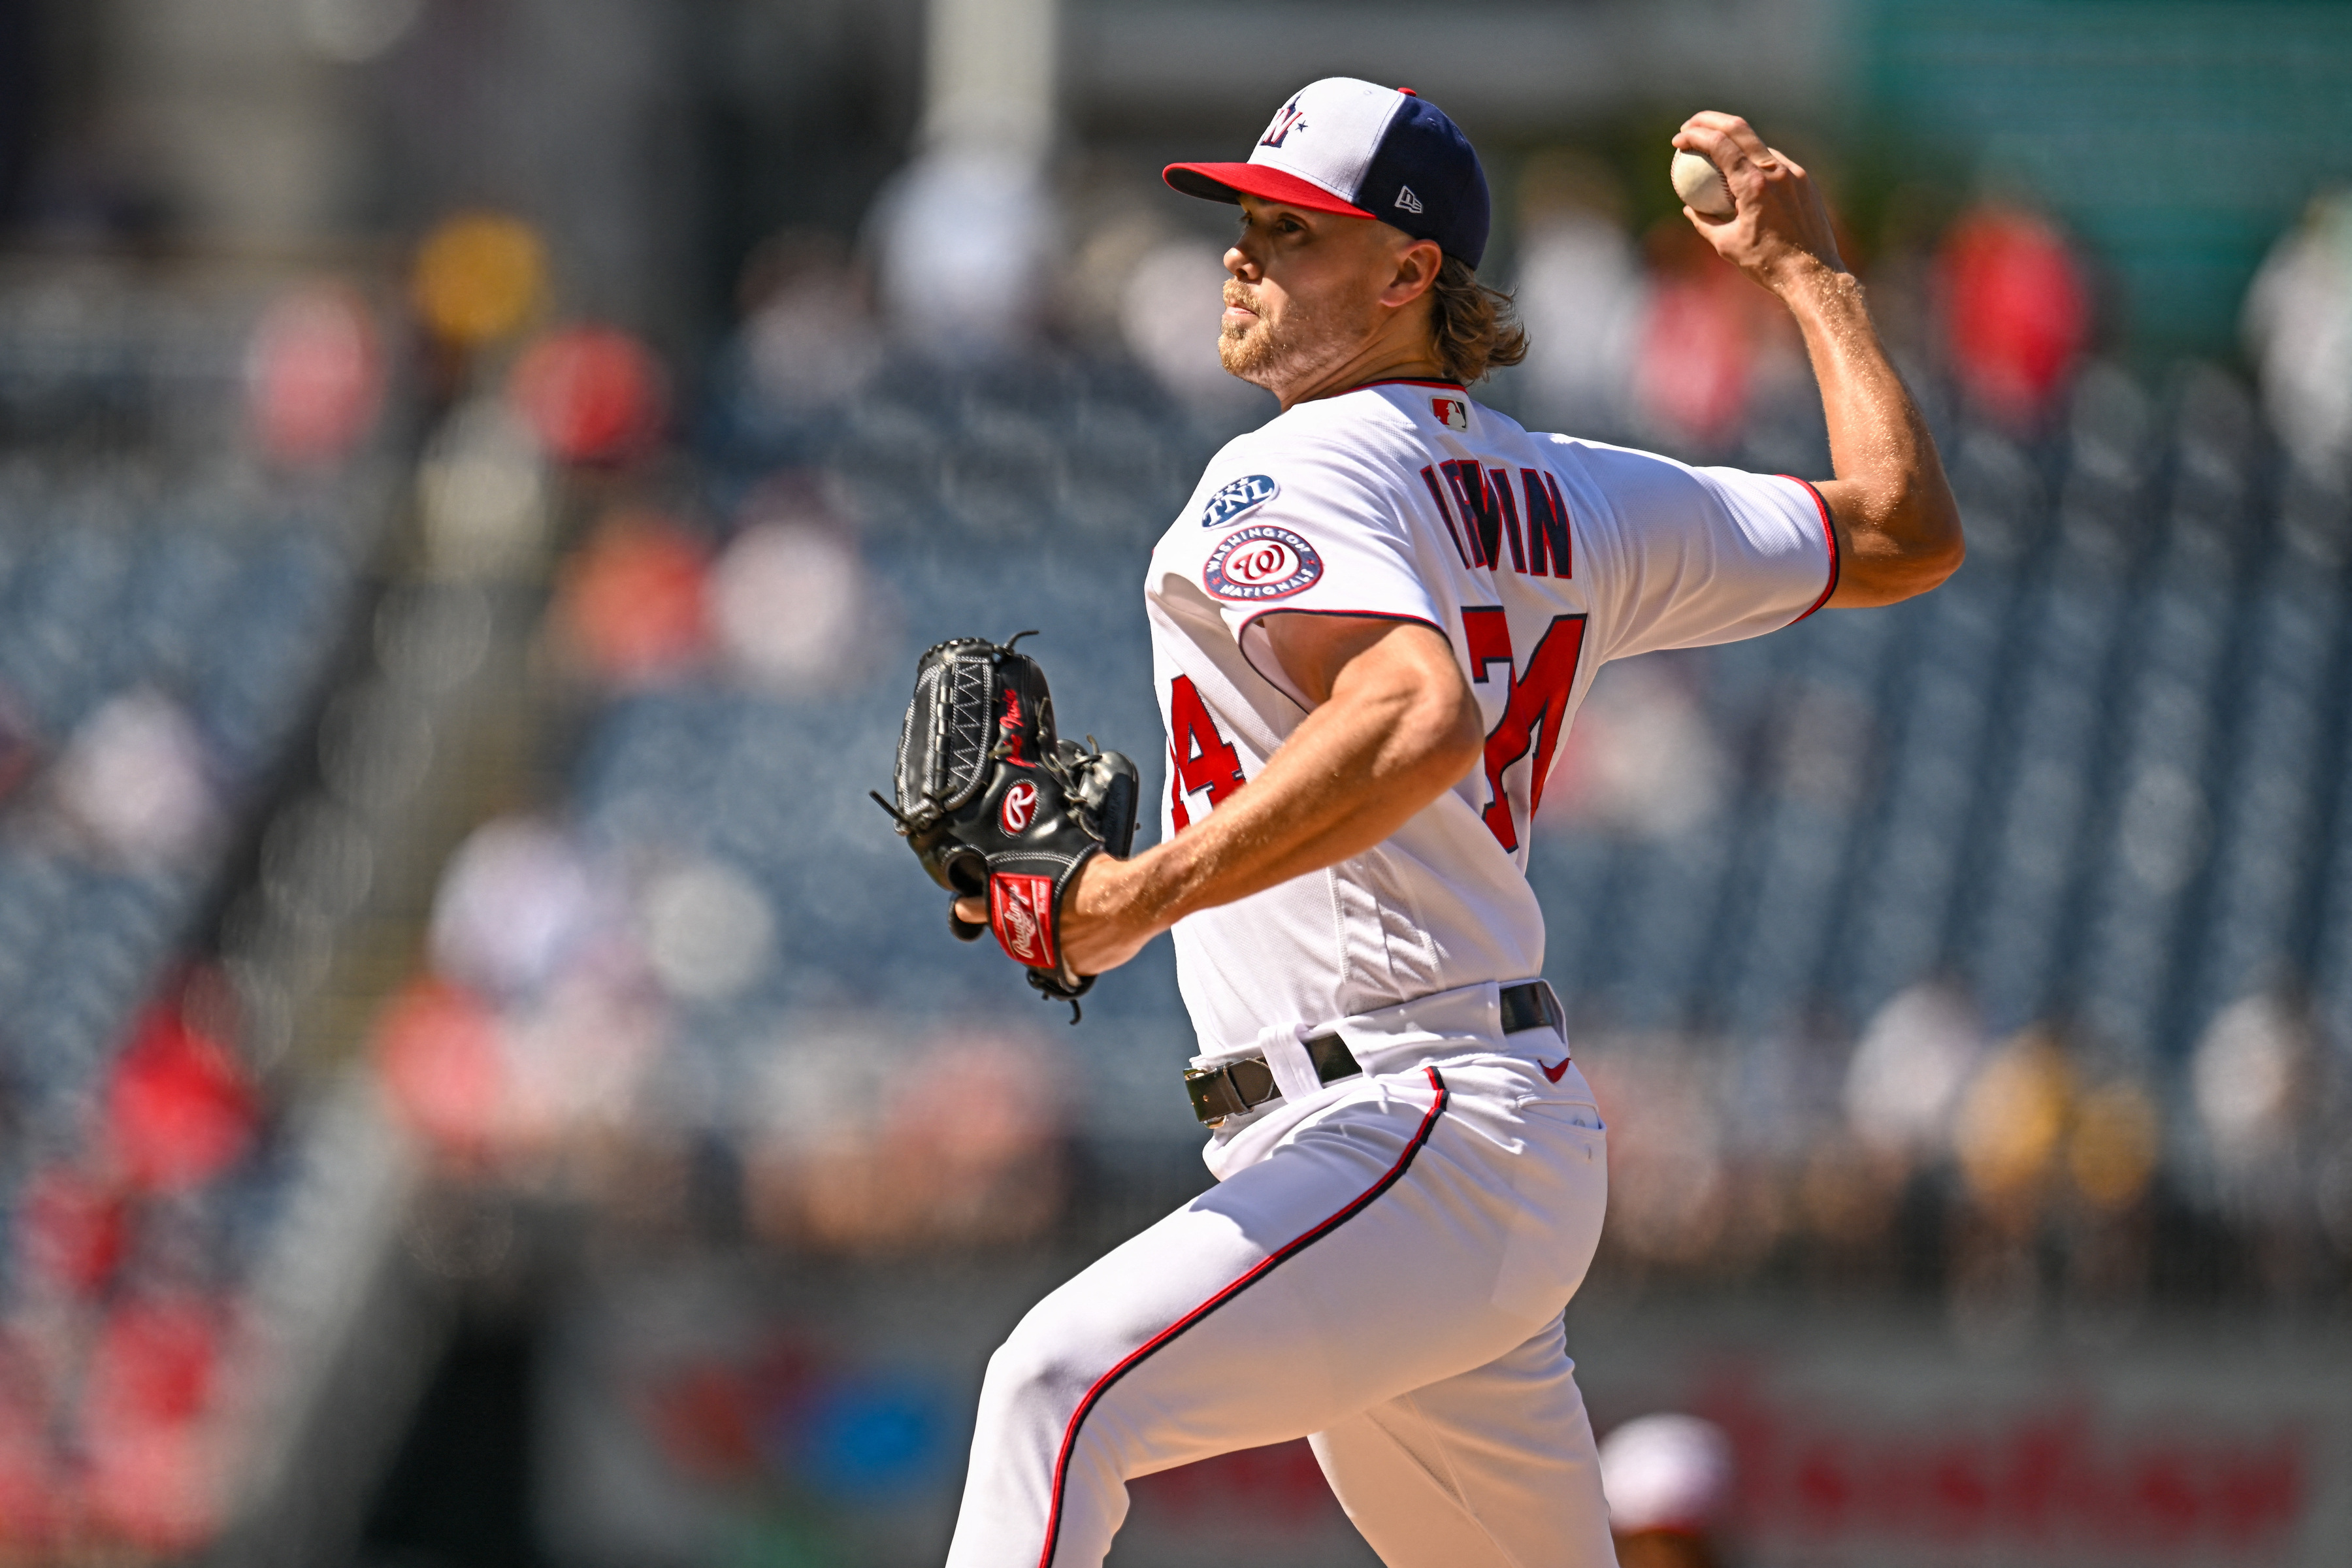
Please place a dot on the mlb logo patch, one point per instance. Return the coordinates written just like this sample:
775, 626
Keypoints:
1451, 412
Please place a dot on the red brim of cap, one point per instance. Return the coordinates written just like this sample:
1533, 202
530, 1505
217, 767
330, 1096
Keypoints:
1231, 181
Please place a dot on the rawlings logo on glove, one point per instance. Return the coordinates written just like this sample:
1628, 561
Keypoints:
996, 805
1018, 908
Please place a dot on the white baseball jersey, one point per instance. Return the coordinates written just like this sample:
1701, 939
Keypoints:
1381, 1265
1540, 557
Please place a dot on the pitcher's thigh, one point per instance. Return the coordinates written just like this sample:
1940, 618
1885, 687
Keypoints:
1262, 1311
1492, 1469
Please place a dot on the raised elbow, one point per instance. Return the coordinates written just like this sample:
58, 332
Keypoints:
1911, 550
1940, 553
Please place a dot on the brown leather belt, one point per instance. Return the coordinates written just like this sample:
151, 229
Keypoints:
1235, 1087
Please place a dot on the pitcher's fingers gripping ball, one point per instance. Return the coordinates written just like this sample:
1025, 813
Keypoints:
1371, 626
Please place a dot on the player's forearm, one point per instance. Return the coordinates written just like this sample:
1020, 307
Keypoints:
1901, 527
1356, 770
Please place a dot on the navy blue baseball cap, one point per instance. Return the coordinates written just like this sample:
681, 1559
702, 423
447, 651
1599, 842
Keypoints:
1341, 145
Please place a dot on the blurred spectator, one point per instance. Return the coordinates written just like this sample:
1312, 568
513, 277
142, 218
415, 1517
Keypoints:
314, 375
2299, 324
629, 603
134, 781
1696, 355
1668, 1479
592, 394
72, 1229
2269, 1107
1670, 1197
548, 1008
179, 1110
438, 1048
2250, 1078
2016, 312
1641, 760
484, 493
790, 600
28, 1487
2012, 1117
2009, 1136
1847, 1194
707, 931
478, 277
573, 1065
1581, 293
517, 902
808, 335
2112, 1149
1172, 314
963, 237
1908, 1070
861, 1144
151, 1477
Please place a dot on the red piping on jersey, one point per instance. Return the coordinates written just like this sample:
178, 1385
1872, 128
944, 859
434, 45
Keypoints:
1405, 380
1242, 630
1829, 531
1287, 1251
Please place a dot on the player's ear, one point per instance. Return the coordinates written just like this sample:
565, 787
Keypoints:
1417, 263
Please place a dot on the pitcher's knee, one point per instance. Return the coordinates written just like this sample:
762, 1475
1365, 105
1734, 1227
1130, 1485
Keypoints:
1037, 1371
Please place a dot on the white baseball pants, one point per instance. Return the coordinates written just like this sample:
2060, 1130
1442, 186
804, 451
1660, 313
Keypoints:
1381, 1270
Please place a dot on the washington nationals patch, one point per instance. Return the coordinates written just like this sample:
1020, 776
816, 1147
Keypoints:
1261, 562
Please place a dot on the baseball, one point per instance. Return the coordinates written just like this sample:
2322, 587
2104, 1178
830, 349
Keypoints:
1701, 185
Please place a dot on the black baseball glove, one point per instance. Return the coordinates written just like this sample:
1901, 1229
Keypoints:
997, 807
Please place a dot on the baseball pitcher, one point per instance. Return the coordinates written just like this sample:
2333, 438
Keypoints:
1371, 625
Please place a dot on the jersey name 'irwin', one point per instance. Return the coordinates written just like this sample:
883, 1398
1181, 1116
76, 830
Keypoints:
1491, 517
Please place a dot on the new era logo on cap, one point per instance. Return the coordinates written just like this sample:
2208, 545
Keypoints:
1342, 145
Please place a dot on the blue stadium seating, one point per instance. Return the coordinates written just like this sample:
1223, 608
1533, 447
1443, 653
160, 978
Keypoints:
2098, 778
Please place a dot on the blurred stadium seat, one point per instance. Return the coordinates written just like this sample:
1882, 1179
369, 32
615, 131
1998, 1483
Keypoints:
2072, 837
170, 610
2092, 785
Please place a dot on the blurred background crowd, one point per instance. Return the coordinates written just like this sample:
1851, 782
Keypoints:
482, 1085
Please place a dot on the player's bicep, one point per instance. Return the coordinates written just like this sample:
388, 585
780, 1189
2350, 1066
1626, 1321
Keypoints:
1311, 649
1394, 683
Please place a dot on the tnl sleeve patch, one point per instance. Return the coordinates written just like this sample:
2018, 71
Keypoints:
1237, 500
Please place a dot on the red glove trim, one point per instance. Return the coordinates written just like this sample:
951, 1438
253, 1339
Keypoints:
1020, 913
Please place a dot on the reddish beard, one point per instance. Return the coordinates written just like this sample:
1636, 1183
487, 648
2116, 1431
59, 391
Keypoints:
1262, 353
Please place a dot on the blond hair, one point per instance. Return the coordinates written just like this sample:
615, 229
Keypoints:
1476, 329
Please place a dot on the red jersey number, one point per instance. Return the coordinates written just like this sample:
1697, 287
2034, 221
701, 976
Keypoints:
1535, 704
1198, 757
